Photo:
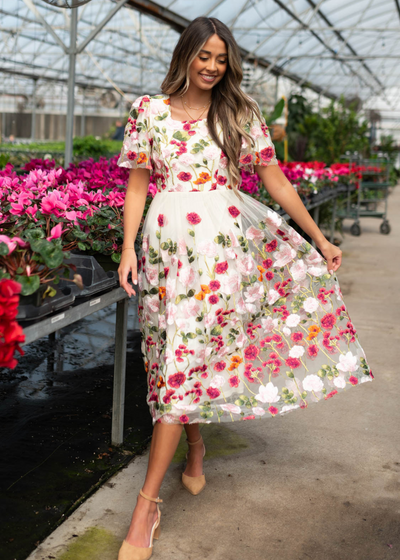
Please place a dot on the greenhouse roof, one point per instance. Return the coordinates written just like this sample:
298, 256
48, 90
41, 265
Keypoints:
333, 47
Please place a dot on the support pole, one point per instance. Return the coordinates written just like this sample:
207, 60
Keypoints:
69, 134
83, 127
121, 329
33, 122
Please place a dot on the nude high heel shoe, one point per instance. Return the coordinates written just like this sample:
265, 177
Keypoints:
131, 552
194, 484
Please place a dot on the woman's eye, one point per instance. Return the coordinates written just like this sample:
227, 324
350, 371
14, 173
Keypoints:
203, 58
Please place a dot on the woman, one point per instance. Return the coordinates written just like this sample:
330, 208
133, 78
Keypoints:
241, 318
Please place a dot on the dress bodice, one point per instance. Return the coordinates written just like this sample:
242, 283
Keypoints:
181, 154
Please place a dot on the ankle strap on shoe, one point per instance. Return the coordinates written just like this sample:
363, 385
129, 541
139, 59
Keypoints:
194, 442
146, 497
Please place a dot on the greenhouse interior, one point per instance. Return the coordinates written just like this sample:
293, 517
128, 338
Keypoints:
325, 75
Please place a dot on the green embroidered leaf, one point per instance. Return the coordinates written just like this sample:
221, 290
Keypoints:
181, 135
161, 117
216, 331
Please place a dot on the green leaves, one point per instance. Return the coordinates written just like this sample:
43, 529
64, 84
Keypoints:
3, 249
29, 284
181, 135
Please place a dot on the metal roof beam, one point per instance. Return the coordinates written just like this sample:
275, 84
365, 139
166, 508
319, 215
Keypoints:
29, 4
340, 36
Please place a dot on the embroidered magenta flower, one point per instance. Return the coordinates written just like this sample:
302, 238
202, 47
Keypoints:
184, 176
328, 321
213, 392
168, 395
184, 419
213, 299
233, 211
313, 350
220, 366
162, 220
131, 155
272, 246
246, 159
353, 380
331, 394
214, 285
234, 381
193, 218
273, 410
267, 153
267, 263
269, 275
221, 268
251, 352
293, 363
177, 379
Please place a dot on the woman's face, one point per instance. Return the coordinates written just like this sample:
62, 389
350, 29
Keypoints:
209, 66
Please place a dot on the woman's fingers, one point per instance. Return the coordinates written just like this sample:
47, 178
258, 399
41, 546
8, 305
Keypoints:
123, 279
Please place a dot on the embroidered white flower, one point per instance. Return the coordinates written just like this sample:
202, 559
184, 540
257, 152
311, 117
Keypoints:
296, 351
268, 394
293, 320
313, 383
310, 305
347, 362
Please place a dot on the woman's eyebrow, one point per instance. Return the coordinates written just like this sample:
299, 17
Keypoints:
209, 52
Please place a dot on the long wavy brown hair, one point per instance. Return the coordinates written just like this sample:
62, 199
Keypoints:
229, 104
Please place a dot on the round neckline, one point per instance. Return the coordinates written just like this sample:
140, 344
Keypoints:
181, 122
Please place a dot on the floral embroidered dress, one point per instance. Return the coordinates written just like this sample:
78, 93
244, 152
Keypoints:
240, 317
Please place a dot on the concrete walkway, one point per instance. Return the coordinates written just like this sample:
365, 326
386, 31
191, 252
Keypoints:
321, 483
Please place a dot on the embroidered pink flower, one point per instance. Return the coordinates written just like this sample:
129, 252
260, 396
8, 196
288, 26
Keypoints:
183, 176
177, 379
251, 352
214, 285
213, 299
328, 321
193, 218
213, 392
233, 211
221, 268
162, 220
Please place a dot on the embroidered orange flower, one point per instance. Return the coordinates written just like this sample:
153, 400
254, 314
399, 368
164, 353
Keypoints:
203, 178
204, 290
146, 366
314, 330
235, 361
162, 290
262, 270
161, 382
142, 158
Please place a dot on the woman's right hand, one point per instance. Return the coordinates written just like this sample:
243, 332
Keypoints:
128, 265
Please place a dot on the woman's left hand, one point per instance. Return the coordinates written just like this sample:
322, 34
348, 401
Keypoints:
332, 254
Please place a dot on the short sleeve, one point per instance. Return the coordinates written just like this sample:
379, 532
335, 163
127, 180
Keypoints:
262, 152
137, 145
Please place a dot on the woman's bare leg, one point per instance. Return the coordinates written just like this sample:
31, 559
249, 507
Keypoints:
194, 465
163, 446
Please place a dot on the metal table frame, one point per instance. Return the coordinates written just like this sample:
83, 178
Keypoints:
72, 314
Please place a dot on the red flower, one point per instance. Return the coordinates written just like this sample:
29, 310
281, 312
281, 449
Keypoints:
233, 211
192, 217
293, 363
221, 268
251, 417
328, 321
267, 263
246, 159
131, 155
177, 379
296, 336
273, 410
168, 395
269, 275
213, 299
234, 381
313, 350
182, 176
272, 246
214, 285
213, 392
331, 394
220, 366
267, 154
161, 220
353, 380
184, 419
251, 352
